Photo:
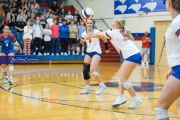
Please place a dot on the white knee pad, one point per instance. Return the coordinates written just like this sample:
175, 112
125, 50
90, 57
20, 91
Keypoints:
95, 73
11, 68
127, 84
3, 69
161, 113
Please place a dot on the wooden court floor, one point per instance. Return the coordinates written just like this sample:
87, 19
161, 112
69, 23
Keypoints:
51, 92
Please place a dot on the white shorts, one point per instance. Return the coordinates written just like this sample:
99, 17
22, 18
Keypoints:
145, 51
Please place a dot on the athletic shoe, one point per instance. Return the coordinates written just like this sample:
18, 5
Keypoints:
29, 54
147, 63
82, 54
44, 54
65, 54
6, 80
69, 53
52, 54
47, 54
62, 53
25, 54
87, 90
73, 53
143, 63
57, 54
10, 81
34, 53
100, 89
119, 101
135, 103
39, 54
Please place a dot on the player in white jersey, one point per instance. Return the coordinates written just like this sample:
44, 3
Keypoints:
92, 58
121, 39
171, 90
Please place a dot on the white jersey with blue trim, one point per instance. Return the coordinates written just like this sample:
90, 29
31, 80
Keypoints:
121, 42
93, 45
172, 38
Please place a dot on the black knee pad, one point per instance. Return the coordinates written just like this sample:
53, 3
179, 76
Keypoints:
86, 71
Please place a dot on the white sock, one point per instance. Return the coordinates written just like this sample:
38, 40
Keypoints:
6, 76
120, 95
87, 86
135, 97
101, 83
10, 77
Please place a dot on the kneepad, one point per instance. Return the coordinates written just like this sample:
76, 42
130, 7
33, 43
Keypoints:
3, 69
161, 113
127, 84
95, 73
86, 71
11, 68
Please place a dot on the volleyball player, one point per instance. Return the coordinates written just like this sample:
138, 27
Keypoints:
121, 39
7, 40
171, 90
92, 58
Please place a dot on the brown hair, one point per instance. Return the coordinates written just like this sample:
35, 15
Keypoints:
176, 4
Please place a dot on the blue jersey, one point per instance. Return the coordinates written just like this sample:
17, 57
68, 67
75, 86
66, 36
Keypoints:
7, 43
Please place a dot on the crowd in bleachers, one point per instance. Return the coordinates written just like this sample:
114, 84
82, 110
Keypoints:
51, 31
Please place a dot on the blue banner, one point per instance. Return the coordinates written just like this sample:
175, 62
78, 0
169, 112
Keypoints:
134, 6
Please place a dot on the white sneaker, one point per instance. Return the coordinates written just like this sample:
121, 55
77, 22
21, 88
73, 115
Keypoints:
65, 54
87, 90
73, 53
47, 54
6, 80
44, 54
69, 53
147, 63
34, 53
100, 89
10, 81
135, 103
39, 54
143, 63
82, 54
119, 101
25, 54
62, 53
29, 54
52, 53
57, 53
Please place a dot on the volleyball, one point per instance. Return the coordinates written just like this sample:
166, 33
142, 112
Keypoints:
87, 13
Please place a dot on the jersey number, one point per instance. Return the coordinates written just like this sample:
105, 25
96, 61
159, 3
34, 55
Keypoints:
125, 38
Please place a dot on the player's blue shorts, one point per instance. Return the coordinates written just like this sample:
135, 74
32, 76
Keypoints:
7, 51
136, 58
93, 53
176, 72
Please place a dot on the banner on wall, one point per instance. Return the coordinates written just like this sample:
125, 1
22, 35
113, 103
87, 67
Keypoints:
134, 6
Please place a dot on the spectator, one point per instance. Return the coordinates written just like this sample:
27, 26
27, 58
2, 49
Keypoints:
27, 38
1, 21
27, 5
94, 27
45, 13
60, 21
76, 21
63, 13
55, 41
5, 6
10, 18
20, 30
61, 7
146, 41
32, 20
76, 15
48, 13
55, 7
50, 20
1, 11
43, 21
47, 39
15, 9
81, 29
28, 15
69, 16
37, 31
23, 15
10, 3
72, 37
36, 7
64, 30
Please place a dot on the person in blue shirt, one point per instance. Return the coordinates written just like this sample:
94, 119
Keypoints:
7, 41
64, 35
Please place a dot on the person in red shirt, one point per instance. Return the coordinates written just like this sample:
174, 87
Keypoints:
55, 41
146, 41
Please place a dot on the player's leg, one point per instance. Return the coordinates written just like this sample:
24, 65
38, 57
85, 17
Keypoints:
11, 70
28, 51
25, 47
86, 74
148, 56
143, 53
3, 66
94, 64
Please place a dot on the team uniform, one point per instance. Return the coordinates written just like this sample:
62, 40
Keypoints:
172, 37
93, 45
127, 47
7, 43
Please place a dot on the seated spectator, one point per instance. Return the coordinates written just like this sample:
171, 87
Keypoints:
64, 35
48, 13
76, 15
10, 18
36, 7
63, 13
55, 8
60, 21
21, 14
28, 15
1, 11
10, 3
45, 13
47, 39
1, 22
50, 20
27, 5
32, 20
61, 7
5, 6
20, 30
15, 9
69, 16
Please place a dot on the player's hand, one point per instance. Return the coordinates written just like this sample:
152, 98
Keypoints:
87, 37
168, 74
107, 51
78, 49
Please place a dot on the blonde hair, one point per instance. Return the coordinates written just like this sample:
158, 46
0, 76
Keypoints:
121, 23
